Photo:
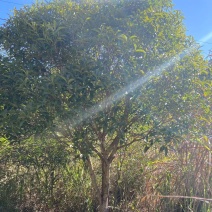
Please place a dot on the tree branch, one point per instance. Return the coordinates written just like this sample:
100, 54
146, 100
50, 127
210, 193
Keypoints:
114, 143
98, 153
141, 136
101, 138
128, 144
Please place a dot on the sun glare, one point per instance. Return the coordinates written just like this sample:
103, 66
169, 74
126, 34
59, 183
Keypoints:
88, 113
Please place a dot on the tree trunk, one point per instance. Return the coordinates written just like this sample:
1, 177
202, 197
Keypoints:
105, 185
93, 180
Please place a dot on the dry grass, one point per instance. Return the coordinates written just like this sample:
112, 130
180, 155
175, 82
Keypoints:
147, 182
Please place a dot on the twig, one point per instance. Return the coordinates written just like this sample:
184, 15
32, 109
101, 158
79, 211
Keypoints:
185, 197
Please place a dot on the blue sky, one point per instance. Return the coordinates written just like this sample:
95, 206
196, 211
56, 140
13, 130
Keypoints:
197, 14
197, 19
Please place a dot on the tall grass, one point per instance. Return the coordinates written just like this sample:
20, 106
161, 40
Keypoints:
179, 182
43, 175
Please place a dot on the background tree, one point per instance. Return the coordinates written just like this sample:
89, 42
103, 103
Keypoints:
78, 72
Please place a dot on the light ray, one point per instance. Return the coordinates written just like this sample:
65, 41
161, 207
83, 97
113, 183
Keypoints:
88, 113
206, 38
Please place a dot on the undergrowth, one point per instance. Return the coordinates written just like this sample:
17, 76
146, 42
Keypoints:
47, 176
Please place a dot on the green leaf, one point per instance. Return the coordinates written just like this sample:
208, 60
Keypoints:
140, 50
133, 37
123, 37
165, 149
146, 148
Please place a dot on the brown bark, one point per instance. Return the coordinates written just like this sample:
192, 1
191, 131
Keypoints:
105, 185
103, 196
106, 156
93, 179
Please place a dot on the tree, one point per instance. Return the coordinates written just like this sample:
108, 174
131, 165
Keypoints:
81, 72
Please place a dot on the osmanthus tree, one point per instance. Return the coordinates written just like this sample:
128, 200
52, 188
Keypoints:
81, 72
203, 109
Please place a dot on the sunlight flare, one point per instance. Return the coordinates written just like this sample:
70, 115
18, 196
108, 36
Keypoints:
88, 113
